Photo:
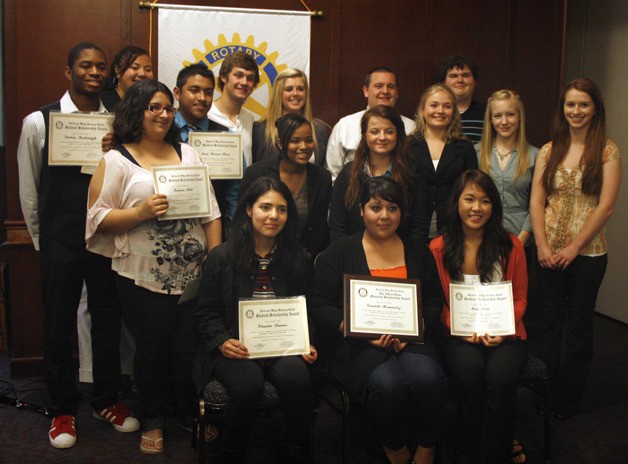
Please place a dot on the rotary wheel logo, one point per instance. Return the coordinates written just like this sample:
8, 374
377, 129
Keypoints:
214, 54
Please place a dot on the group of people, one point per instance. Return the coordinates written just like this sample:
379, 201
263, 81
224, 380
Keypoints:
409, 199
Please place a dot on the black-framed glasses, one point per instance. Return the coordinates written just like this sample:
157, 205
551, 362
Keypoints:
156, 108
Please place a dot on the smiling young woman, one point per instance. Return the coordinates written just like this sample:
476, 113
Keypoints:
574, 191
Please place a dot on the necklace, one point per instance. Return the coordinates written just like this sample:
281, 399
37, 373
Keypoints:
502, 156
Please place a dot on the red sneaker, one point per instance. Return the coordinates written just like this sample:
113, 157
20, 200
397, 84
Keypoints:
120, 417
62, 432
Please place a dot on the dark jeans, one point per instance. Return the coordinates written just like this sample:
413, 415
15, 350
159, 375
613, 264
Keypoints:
63, 270
244, 381
407, 394
566, 338
486, 380
166, 337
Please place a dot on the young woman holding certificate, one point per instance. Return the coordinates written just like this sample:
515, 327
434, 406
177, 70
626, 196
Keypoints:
262, 258
575, 188
401, 383
476, 249
155, 260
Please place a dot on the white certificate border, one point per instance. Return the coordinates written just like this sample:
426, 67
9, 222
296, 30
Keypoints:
377, 331
55, 115
197, 167
235, 135
300, 300
463, 333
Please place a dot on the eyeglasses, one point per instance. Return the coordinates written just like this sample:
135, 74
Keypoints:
156, 108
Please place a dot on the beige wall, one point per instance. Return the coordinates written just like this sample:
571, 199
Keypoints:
597, 46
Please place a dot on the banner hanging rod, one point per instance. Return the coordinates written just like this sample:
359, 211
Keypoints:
151, 5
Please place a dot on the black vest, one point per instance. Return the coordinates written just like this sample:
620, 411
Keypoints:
62, 198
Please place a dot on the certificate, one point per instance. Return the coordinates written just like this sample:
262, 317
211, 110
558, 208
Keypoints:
187, 189
75, 139
272, 327
377, 306
483, 309
220, 151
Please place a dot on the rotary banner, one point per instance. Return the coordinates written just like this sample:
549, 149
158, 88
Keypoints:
276, 39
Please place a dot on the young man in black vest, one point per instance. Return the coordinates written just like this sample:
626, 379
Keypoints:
54, 204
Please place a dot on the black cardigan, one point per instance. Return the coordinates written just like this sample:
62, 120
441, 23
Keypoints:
325, 303
217, 306
315, 234
434, 186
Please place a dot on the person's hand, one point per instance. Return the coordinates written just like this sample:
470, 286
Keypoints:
473, 339
108, 142
383, 342
398, 345
234, 349
341, 327
154, 206
546, 257
565, 256
488, 340
312, 356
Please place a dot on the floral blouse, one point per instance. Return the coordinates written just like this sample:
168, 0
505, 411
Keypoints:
568, 208
161, 256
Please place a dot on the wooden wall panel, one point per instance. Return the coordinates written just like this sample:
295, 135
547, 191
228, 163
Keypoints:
517, 44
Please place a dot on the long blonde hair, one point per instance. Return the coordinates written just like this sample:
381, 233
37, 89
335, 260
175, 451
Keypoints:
454, 131
489, 134
275, 108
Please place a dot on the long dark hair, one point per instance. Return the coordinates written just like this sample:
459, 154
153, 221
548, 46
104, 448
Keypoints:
595, 143
241, 244
127, 125
496, 244
398, 156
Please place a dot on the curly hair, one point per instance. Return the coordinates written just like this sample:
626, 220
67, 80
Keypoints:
127, 125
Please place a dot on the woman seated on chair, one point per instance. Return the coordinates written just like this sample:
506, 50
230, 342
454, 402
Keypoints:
401, 384
476, 249
262, 258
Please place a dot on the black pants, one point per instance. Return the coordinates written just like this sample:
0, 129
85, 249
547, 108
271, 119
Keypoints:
566, 337
166, 338
63, 270
244, 380
486, 379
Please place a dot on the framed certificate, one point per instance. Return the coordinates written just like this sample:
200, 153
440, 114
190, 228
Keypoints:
483, 309
220, 151
271, 327
75, 139
187, 188
377, 306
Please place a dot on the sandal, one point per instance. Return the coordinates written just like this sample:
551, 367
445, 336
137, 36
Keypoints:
152, 445
517, 451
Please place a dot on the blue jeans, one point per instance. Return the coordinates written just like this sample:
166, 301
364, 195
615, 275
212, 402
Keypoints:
406, 396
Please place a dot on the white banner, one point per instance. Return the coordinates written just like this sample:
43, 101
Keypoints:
276, 39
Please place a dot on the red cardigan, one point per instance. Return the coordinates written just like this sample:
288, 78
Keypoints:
517, 273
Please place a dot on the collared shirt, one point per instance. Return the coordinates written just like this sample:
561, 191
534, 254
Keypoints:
30, 162
243, 125
185, 127
344, 140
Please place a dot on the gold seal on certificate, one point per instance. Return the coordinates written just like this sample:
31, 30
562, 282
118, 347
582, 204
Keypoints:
482, 309
220, 151
187, 189
272, 327
377, 306
75, 139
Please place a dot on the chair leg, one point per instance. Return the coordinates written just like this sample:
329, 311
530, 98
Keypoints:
199, 431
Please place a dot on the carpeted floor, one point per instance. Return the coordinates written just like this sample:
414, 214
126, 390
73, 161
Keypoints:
597, 435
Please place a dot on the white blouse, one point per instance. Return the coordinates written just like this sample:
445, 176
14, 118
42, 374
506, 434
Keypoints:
161, 256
